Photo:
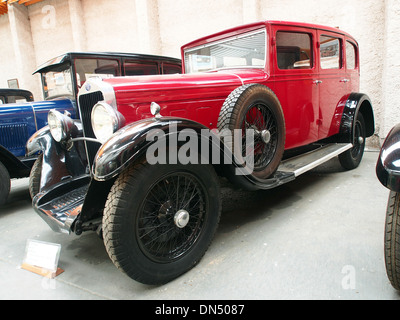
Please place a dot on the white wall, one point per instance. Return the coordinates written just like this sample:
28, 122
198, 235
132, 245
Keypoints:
162, 26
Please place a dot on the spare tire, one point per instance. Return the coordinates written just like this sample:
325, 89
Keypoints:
255, 106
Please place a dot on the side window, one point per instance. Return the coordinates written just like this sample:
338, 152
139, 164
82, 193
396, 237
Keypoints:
16, 99
86, 68
350, 55
134, 68
294, 50
171, 69
330, 52
2, 100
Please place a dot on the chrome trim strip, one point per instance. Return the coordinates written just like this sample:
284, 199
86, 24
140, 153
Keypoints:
85, 139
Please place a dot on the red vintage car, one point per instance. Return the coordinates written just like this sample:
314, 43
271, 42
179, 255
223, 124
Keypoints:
259, 104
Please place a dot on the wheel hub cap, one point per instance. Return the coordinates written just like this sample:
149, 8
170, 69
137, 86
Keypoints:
265, 136
181, 218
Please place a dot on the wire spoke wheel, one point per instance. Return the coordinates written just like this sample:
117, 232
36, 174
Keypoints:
160, 219
254, 107
171, 217
262, 121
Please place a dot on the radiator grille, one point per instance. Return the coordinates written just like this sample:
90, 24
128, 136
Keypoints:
86, 104
13, 136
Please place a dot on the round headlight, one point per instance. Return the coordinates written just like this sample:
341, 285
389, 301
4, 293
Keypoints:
56, 126
105, 121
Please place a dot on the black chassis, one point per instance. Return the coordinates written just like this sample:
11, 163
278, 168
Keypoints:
73, 190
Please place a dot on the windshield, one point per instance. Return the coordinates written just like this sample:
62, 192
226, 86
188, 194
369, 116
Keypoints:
247, 50
57, 83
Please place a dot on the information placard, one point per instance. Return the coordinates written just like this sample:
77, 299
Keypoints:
42, 258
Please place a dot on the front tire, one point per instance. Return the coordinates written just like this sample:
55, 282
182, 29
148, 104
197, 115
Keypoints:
160, 219
392, 239
35, 176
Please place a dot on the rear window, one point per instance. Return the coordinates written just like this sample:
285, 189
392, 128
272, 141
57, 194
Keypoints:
351, 56
330, 52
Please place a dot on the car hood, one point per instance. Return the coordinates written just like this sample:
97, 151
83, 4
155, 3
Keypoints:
187, 84
178, 89
17, 112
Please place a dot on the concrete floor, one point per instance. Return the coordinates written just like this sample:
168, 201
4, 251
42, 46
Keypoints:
318, 237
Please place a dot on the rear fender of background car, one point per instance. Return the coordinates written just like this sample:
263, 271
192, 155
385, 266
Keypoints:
388, 164
14, 166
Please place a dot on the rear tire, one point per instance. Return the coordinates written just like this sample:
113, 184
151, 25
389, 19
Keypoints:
5, 184
160, 219
351, 158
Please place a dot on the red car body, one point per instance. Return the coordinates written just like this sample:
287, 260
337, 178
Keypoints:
312, 110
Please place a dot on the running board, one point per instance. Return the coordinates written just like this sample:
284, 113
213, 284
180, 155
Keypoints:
305, 162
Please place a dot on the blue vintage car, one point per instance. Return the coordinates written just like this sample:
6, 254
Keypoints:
61, 79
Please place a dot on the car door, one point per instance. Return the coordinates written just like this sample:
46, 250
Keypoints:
332, 82
293, 74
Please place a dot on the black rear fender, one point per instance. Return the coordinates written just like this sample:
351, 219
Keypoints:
357, 102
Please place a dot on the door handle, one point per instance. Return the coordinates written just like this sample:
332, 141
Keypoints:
344, 80
317, 81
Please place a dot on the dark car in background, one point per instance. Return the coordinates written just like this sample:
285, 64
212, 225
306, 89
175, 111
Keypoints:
388, 173
62, 77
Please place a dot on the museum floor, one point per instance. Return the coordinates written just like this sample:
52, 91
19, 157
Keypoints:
318, 237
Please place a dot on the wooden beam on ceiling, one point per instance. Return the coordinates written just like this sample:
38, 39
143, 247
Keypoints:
4, 4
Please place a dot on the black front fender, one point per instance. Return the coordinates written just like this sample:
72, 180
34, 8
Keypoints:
58, 163
130, 144
388, 165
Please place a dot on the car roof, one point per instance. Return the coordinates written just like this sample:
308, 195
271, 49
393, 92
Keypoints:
67, 57
8, 91
257, 25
